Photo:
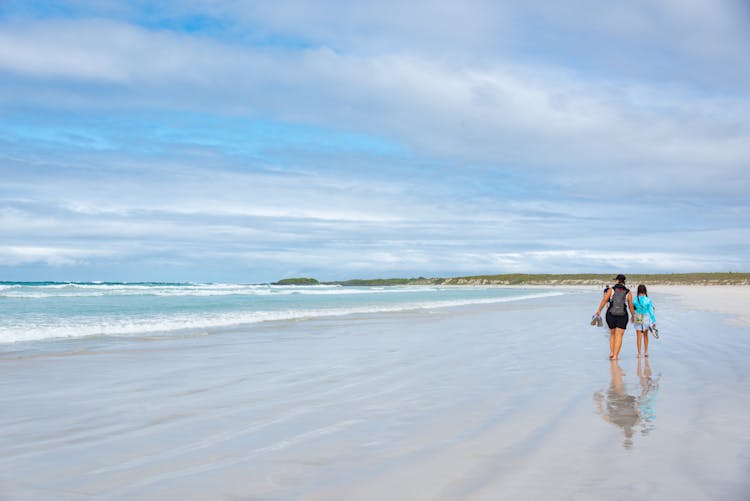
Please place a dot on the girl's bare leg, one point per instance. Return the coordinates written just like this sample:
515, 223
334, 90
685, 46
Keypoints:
638, 341
645, 343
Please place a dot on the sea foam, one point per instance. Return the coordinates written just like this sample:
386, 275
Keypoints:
156, 319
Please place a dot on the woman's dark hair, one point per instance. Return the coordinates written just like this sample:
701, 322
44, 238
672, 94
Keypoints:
642, 290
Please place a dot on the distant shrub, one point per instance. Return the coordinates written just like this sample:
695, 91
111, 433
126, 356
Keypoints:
297, 281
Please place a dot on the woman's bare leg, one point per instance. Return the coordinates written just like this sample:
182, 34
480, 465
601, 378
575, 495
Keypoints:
611, 343
618, 342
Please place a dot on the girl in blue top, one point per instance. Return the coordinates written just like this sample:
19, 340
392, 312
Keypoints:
644, 318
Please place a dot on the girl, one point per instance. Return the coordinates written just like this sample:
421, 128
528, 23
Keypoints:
644, 318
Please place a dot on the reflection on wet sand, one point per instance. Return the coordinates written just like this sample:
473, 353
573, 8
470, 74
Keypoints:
627, 411
647, 399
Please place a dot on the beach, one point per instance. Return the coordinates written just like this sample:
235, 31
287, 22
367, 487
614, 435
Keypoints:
495, 400
730, 300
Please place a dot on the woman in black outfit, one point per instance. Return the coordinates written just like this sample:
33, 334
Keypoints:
619, 300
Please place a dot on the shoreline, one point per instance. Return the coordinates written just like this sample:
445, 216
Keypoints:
727, 300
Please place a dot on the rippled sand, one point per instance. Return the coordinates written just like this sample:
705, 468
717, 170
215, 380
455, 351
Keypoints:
507, 401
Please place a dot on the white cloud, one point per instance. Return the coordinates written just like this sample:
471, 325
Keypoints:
498, 114
110, 52
51, 256
509, 163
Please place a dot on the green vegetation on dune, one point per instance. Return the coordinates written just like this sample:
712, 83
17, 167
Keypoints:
727, 278
385, 281
592, 279
297, 281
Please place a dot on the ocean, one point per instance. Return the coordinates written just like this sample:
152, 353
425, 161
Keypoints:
43, 311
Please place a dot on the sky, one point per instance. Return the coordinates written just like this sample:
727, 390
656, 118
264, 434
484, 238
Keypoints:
248, 141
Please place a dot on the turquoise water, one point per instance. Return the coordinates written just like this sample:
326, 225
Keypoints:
41, 311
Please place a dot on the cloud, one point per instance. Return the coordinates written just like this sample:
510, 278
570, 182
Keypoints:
108, 52
422, 137
500, 114
50, 256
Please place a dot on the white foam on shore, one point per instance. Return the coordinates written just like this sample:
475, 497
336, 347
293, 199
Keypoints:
198, 290
184, 323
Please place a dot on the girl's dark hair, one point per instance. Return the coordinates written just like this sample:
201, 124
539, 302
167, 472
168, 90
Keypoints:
642, 290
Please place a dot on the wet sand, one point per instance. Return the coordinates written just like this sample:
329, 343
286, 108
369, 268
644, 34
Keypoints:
506, 401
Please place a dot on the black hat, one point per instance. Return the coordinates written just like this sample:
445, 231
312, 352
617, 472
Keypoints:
620, 277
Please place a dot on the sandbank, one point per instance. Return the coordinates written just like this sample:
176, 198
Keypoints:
732, 300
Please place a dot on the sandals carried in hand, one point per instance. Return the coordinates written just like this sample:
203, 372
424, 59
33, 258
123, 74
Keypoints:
654, 331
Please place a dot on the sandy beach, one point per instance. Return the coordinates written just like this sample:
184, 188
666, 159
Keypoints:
498, 401
730, 300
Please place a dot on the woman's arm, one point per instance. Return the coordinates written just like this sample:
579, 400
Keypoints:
630, 305
605, 300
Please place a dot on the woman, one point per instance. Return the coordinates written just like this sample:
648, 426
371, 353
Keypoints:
643, 319
619, 301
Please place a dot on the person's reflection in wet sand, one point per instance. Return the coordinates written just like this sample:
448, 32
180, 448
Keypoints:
647, 399
617, 407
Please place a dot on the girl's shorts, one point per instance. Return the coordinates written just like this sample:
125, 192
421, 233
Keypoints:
642, 322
